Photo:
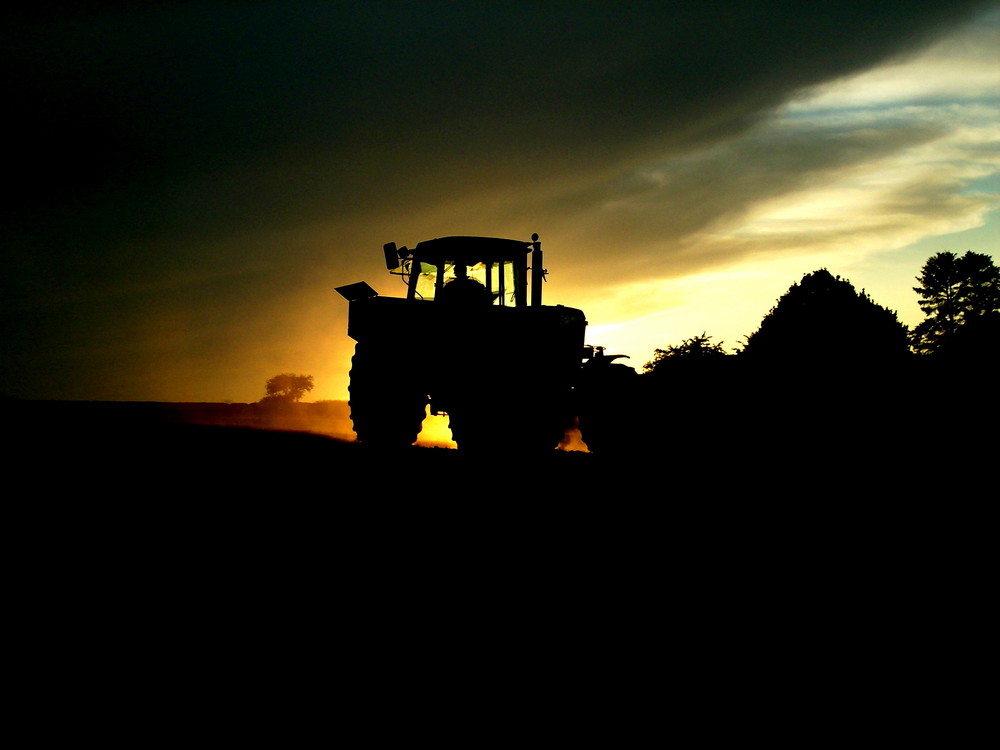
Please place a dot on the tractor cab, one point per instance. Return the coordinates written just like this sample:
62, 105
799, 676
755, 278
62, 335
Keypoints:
495, 270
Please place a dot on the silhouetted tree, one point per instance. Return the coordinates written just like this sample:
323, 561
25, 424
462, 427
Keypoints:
822, 357
961, 298
287, 387
823, 319
695, 348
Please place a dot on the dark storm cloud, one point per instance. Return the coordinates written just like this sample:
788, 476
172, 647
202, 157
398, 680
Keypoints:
378, 94
155, 150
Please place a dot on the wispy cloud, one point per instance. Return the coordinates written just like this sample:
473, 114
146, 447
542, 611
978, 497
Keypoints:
842, 173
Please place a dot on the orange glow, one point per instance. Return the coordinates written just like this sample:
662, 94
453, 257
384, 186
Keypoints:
573, 441
330, 418
435, 432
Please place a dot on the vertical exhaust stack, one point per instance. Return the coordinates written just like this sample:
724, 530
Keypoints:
537, 272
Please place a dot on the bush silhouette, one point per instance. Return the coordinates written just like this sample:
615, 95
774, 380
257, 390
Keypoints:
694, 349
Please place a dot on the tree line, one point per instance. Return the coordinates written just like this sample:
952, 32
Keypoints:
830, 378
823, 318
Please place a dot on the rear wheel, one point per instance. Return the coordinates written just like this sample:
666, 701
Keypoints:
609, 408
387, 407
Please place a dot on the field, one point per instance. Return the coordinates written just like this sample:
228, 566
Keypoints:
244, 451
231, 451
151, 543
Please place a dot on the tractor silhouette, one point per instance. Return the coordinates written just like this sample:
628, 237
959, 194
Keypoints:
473, 340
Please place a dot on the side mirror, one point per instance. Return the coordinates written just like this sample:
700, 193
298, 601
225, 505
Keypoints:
391, 256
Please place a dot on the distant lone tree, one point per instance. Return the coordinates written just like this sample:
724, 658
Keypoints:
961, 298
287, 388
823, 319
696, 348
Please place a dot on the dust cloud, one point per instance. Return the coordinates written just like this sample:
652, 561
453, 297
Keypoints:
329, 418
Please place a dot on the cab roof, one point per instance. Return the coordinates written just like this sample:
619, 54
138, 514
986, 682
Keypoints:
471, 250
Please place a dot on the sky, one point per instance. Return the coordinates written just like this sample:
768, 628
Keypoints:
189, 181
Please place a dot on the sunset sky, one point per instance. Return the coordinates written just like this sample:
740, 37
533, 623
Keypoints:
189, 181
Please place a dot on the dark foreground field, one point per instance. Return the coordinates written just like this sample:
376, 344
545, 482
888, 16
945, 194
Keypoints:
213, 456
163, 574
232, 452
150, 474
243, 452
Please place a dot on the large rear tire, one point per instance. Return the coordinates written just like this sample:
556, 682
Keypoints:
387, 407
610, 409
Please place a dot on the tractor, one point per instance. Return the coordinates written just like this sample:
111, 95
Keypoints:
472, 340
